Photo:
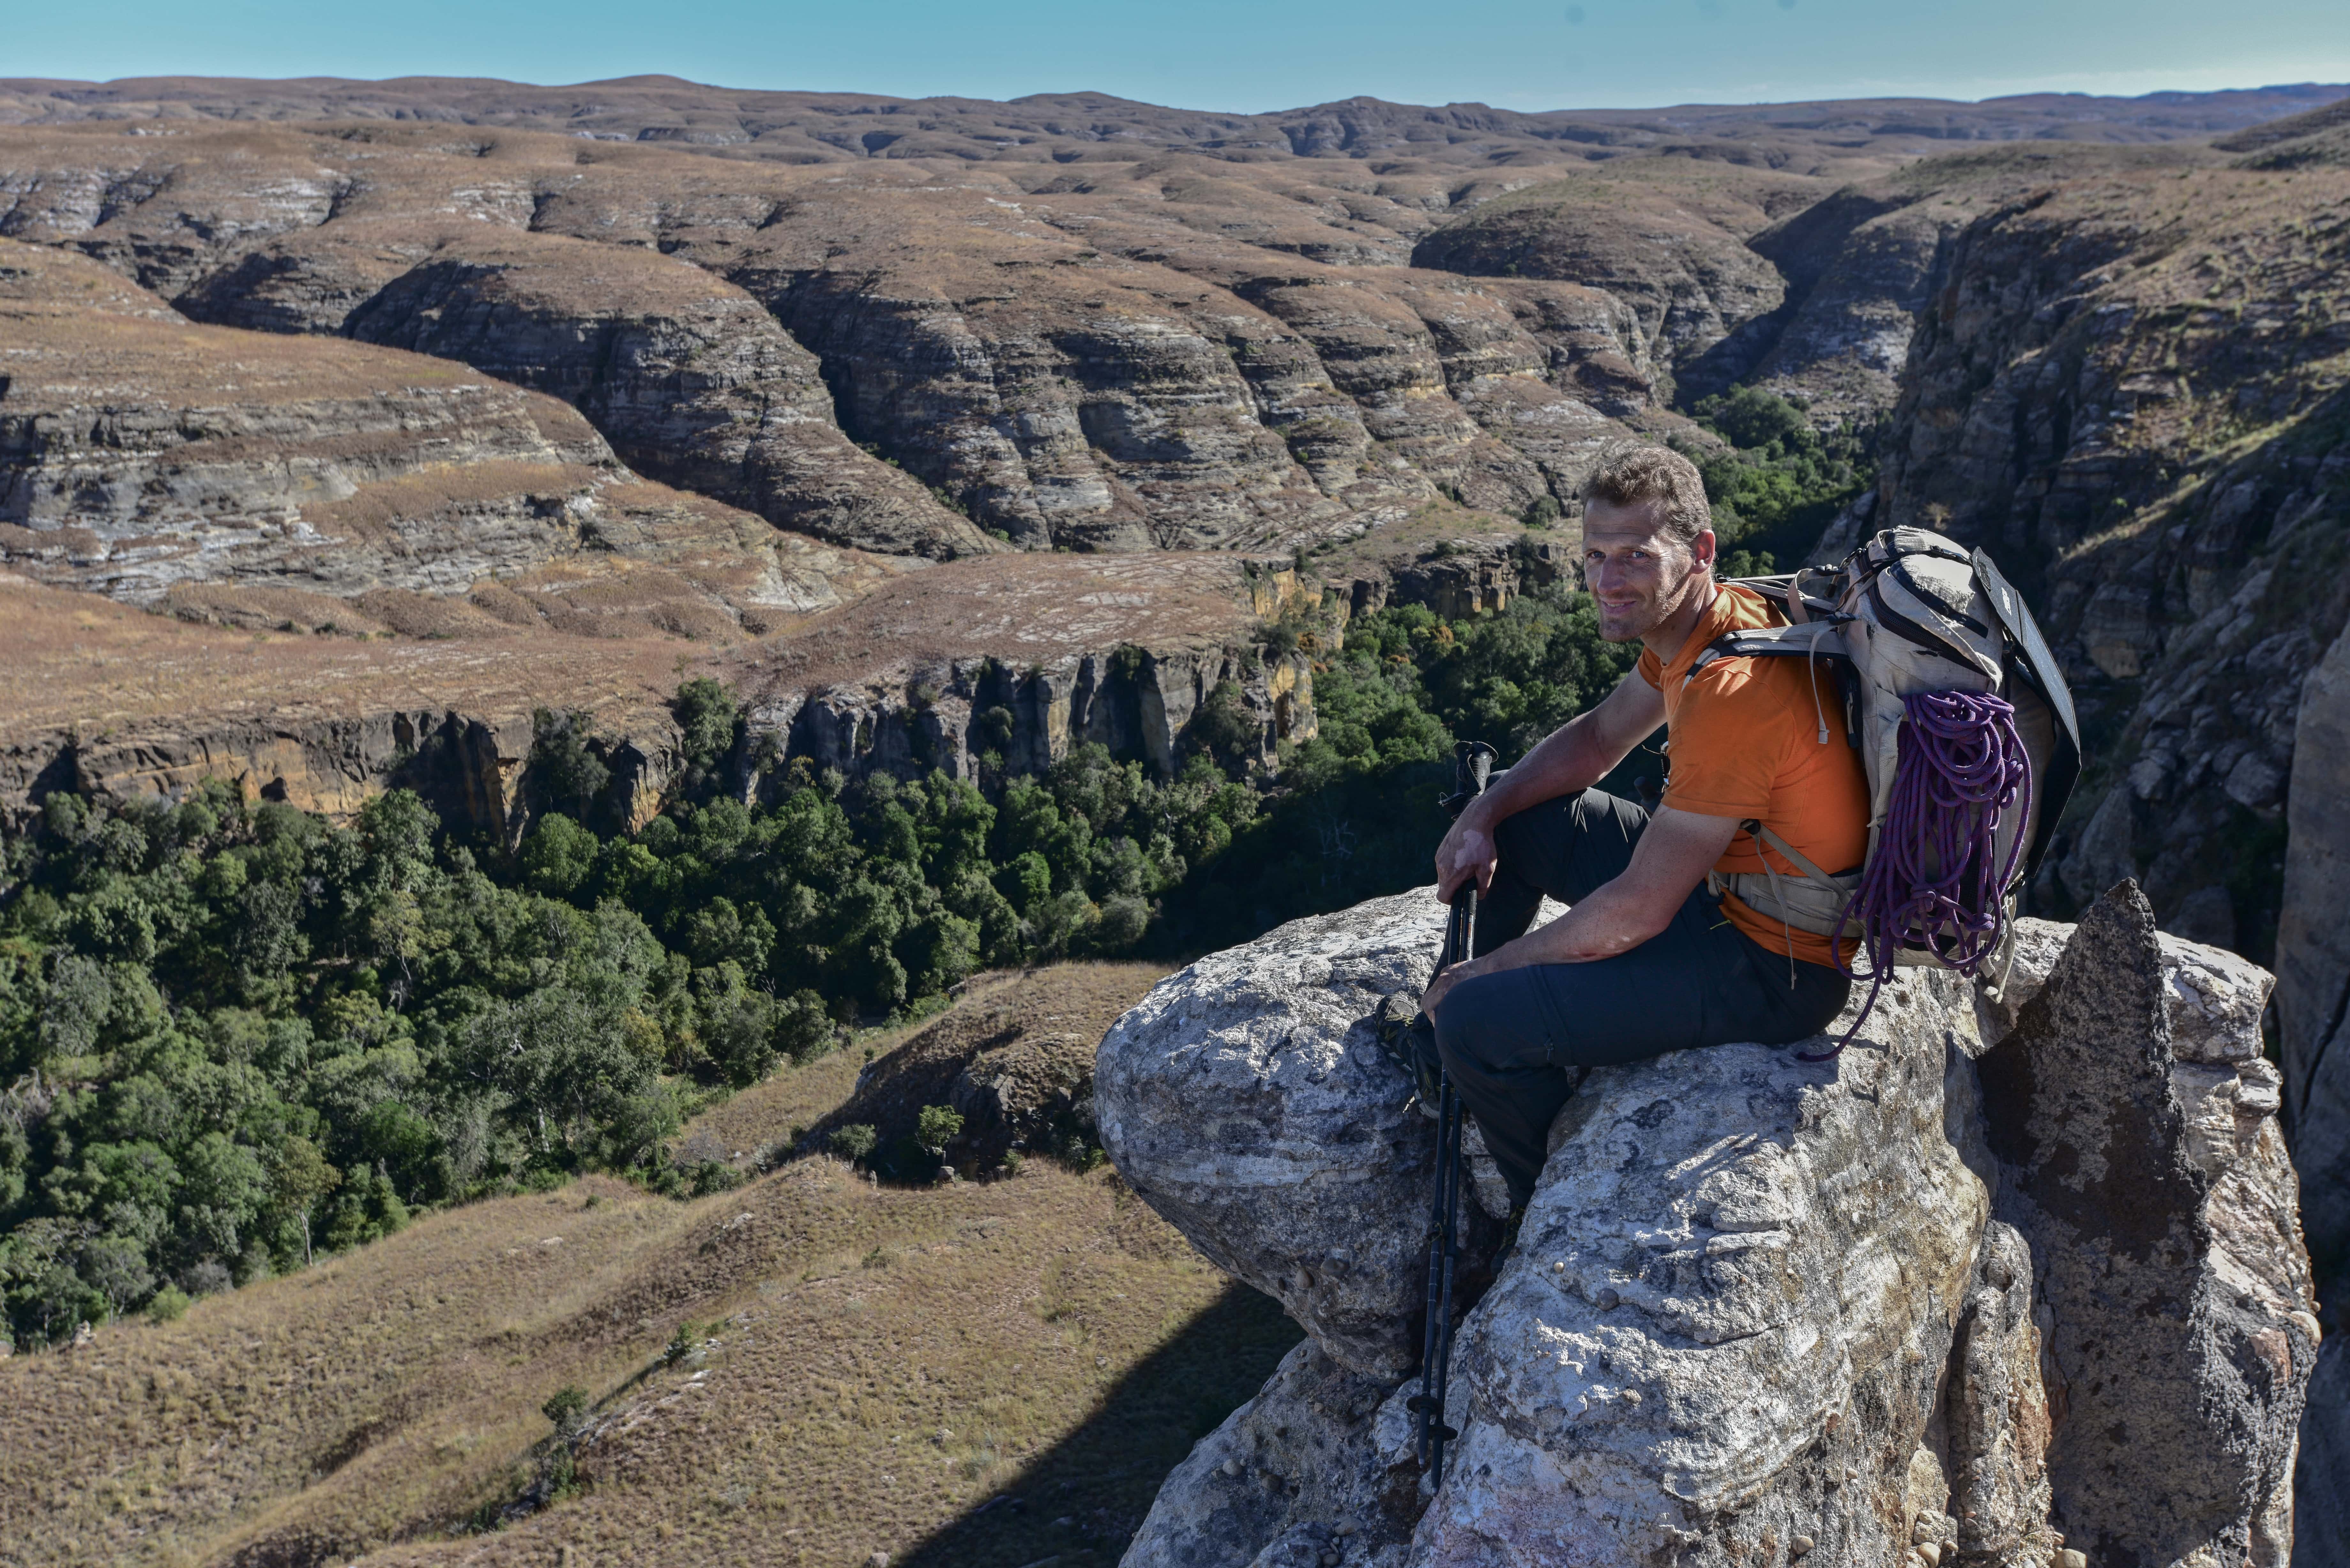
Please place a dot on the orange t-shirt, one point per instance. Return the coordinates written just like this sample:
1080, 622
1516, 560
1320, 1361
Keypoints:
1742, 740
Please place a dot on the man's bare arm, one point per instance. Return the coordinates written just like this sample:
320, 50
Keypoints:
1575, 756
1675, 851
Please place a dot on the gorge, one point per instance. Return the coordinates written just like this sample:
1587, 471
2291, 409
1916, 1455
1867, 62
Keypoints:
346, 428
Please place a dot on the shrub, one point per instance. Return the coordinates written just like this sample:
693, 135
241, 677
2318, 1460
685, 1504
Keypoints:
706, 713
566, 1408
167, 1305
937, 1126
854, 1142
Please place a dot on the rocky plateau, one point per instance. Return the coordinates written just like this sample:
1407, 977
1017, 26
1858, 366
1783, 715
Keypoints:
1999, 1282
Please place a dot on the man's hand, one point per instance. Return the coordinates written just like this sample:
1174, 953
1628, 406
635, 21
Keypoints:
1672, 858
1467, 852
1447, 979
1573, 757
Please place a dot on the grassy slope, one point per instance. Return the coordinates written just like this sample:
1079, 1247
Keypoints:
888, 1361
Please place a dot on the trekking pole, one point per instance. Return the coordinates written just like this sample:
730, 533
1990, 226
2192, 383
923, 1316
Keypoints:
1472, 764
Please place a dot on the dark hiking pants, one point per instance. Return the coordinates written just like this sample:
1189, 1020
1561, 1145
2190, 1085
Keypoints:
1511, 1040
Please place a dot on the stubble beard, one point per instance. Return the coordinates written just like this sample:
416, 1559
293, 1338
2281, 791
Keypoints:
1635, 621
1630, 624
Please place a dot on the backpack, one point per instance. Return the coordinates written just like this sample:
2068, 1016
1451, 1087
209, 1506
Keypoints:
1967, 735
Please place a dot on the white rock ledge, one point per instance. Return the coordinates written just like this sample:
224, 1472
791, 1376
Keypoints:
1760, 1310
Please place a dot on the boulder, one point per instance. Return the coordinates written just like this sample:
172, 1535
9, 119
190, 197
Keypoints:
1735, 1294
1323, 1459
1760, 1309
2159, 1208
1248, 1102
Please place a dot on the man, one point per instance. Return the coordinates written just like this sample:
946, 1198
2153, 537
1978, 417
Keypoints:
1647, 960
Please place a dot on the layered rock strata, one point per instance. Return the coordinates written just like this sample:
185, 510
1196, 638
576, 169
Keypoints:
261, 478
1760, 1310
690, 378
1174, 353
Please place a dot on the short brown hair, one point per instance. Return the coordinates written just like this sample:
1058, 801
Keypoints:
1628, 475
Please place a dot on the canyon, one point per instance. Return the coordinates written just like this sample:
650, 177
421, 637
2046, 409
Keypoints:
344, 426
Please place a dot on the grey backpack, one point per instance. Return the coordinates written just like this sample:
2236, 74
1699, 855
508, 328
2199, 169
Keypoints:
1908, 613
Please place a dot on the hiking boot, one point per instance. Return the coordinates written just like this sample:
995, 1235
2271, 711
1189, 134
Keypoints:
1408, 1039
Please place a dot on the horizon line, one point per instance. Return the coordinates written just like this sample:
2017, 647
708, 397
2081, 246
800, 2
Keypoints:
666, 79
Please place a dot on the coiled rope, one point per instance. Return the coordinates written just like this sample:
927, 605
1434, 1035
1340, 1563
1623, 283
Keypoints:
1938, 881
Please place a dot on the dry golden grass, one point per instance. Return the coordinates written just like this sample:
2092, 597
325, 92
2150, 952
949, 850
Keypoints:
885, 1363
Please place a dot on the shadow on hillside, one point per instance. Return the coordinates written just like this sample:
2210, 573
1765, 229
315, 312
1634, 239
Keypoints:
1082, 1500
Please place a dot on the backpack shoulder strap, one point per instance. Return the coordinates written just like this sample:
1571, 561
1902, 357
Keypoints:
1812, 641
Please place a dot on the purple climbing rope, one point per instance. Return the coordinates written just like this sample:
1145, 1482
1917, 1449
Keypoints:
1938, 881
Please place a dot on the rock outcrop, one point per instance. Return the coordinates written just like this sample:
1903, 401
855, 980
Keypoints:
1022, 657
1014, 1060
1248, 1104
2071, 402
2312, 997
1760, 1310
2134, 1125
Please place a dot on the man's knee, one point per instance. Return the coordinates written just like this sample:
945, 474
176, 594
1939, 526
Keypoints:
1479, 1029
1551, 829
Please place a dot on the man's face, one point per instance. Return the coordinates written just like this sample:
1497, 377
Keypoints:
1638, 574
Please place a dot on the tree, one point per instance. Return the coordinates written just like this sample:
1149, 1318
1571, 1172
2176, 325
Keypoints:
566, 1408
1225, 729
558, 856
936, 1127
706, 714
1755, 418
567, 770
301, 1177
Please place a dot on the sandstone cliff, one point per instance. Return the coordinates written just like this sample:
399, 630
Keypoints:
160, 461
1980, 1287
1022, 657
691, 381
1025, 657
104, 699
2130, 386
2312, 997
1173, 351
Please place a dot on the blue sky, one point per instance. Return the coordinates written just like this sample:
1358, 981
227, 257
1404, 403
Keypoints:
1247, 55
